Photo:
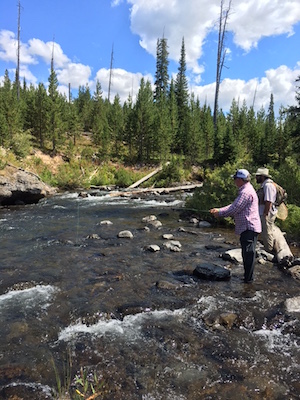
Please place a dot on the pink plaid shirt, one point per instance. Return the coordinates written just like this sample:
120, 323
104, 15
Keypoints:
244, 210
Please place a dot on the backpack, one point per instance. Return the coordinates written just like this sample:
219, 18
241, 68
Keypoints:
281, 195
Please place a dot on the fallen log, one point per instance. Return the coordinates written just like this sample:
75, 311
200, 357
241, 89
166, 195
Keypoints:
155, 190
145, 178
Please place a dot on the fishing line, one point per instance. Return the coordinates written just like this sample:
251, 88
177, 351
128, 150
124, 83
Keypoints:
77, 224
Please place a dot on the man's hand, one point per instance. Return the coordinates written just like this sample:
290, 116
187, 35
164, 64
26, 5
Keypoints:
214, 212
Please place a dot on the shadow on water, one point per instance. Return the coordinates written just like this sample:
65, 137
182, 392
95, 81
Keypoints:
137, 318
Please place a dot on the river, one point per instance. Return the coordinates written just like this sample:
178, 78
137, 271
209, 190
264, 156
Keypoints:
76, 297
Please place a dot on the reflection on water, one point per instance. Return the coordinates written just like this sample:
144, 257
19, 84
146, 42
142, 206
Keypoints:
138, 319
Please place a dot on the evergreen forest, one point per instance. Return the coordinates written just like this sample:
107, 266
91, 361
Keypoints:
165, 122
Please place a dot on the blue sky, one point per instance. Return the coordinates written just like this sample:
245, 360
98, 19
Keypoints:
262, 39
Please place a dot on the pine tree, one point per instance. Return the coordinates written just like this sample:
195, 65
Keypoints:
115, 121
173, 112
182, 97
100, 128
161, 74
270, 134
11, 123
220, 133
162, 134
293, 121
259, 156
207, 129
129, 130
194, 138
84, 105
162, 129
144, 122
55, 121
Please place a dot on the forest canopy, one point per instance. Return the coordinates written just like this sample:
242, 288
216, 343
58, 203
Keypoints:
164, 122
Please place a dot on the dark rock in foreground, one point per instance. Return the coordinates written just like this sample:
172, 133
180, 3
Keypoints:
21, 187
211, 272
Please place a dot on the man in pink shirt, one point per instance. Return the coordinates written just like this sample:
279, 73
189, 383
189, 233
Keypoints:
245, 212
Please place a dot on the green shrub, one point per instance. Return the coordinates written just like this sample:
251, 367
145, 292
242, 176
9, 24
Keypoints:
218, 189
292, 224
88, 153
288, 176
124, 177
71, 176
21, 144
104, 176
173, 172
47, 177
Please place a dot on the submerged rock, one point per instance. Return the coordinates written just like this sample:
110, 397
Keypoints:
228, 319
167, 285
149, 218
156, 224
211, 272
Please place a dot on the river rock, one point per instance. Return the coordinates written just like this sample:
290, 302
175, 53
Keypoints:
228, 319
166, 285
181, 229
168, 236
295, 271
149, 218
106, 222
18, 186
173, 245
84, 195
204, 224
125, 234
293, 304
296, 261
93, 236
234, 255
211, 272
156, 224
153, 248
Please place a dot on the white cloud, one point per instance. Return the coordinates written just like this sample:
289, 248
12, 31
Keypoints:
38, 48
75, 74
251, 20
123, 83
174, 19
115, 3
280, 82
9, 47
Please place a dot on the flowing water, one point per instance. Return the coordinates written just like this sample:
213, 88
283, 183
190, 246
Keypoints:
73, 294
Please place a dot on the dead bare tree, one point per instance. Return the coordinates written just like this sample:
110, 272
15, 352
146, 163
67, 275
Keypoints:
110, 72
18, 53
224, 14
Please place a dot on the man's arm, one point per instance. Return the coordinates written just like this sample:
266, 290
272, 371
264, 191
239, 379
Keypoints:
268, 205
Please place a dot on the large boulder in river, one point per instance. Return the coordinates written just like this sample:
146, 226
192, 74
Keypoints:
18, 186
211, 272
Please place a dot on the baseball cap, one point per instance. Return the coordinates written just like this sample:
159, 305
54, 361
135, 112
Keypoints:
241, 173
